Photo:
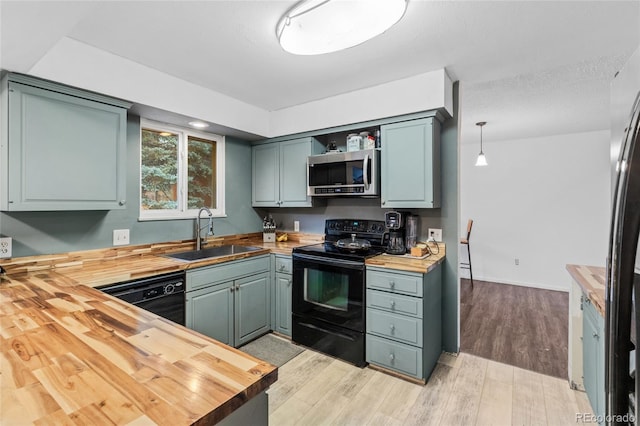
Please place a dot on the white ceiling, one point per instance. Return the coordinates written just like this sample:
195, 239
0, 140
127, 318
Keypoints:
527, 68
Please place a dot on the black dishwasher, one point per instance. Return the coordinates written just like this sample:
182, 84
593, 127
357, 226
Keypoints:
163, 295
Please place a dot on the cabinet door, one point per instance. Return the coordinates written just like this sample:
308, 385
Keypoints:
411, 164
283, 303
265, 175
293, 173
251, 307
65, 152
210, 311
592, 358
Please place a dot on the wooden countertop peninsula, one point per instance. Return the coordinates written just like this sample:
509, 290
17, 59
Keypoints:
592, 280
72, 353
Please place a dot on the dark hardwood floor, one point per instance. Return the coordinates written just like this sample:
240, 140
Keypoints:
521, 326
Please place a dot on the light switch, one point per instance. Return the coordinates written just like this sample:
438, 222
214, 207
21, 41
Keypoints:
120, 237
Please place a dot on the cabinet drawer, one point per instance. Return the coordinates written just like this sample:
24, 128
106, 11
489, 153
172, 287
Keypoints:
395, 282
396, 327
395, 356
202, 277
283, 265
394, 303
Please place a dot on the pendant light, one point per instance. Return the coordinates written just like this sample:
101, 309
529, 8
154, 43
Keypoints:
314, 27
482, 160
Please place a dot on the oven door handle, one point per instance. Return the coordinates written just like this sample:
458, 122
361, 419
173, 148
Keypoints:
328, 261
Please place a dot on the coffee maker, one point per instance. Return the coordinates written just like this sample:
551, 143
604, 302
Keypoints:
394, 221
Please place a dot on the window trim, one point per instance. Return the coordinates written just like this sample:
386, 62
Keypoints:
183, 133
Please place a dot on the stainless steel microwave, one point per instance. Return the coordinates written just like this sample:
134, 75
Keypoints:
355, 173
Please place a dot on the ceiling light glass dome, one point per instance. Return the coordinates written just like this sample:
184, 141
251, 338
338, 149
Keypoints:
314, 27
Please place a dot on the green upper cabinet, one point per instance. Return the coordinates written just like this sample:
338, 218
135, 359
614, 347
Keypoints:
410, 173
61, 148
279, 173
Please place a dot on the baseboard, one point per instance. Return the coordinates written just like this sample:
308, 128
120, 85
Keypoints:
520, 284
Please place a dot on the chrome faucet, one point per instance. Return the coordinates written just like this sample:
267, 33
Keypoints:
199, 239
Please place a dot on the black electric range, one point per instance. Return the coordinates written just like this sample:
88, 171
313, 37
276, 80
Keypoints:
373, 231
329, 287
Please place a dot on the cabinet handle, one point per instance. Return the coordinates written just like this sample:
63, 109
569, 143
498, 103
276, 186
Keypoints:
289, 282
231, 289
384, 202
392, 357
392, 284
392, 328
393, 304
122, 202
238, 287
595, 335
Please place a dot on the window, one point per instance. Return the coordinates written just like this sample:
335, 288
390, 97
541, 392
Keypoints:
181, 170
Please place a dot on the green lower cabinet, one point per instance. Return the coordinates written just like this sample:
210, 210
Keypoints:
282, 294
593, 356
210, 312
234, 310
251, 308
404, 326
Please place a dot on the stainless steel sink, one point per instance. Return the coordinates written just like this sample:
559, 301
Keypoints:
211, 252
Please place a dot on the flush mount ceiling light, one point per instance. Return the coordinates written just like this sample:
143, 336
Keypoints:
314, 27
481, 161
198, 124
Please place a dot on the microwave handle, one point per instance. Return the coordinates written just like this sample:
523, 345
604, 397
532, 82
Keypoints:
365, 171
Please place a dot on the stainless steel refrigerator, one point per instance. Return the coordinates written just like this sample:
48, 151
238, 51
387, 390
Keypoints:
623, 273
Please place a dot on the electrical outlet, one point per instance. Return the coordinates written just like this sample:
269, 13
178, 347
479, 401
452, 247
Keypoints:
296, 226
120, 237
5, 247
435, 234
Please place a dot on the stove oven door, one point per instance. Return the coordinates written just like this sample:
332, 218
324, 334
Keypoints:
329, 290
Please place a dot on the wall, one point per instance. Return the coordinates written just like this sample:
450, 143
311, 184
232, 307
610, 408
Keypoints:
80, 65
543, 200
55, 232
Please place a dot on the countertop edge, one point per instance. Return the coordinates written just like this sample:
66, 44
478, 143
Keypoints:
592, 280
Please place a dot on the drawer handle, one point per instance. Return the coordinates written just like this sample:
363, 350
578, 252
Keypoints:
392, 328
392, 358
393, 304
392, 284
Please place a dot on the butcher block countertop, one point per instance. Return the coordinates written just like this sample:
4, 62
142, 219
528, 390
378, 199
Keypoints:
72, 354
592, 280
409, 263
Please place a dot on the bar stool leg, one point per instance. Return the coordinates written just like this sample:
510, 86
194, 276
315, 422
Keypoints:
470, 270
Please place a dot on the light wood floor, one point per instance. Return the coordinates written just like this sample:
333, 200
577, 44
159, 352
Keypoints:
314, 389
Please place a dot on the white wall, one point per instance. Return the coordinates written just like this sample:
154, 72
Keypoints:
422, 92
542, 200
78, 64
